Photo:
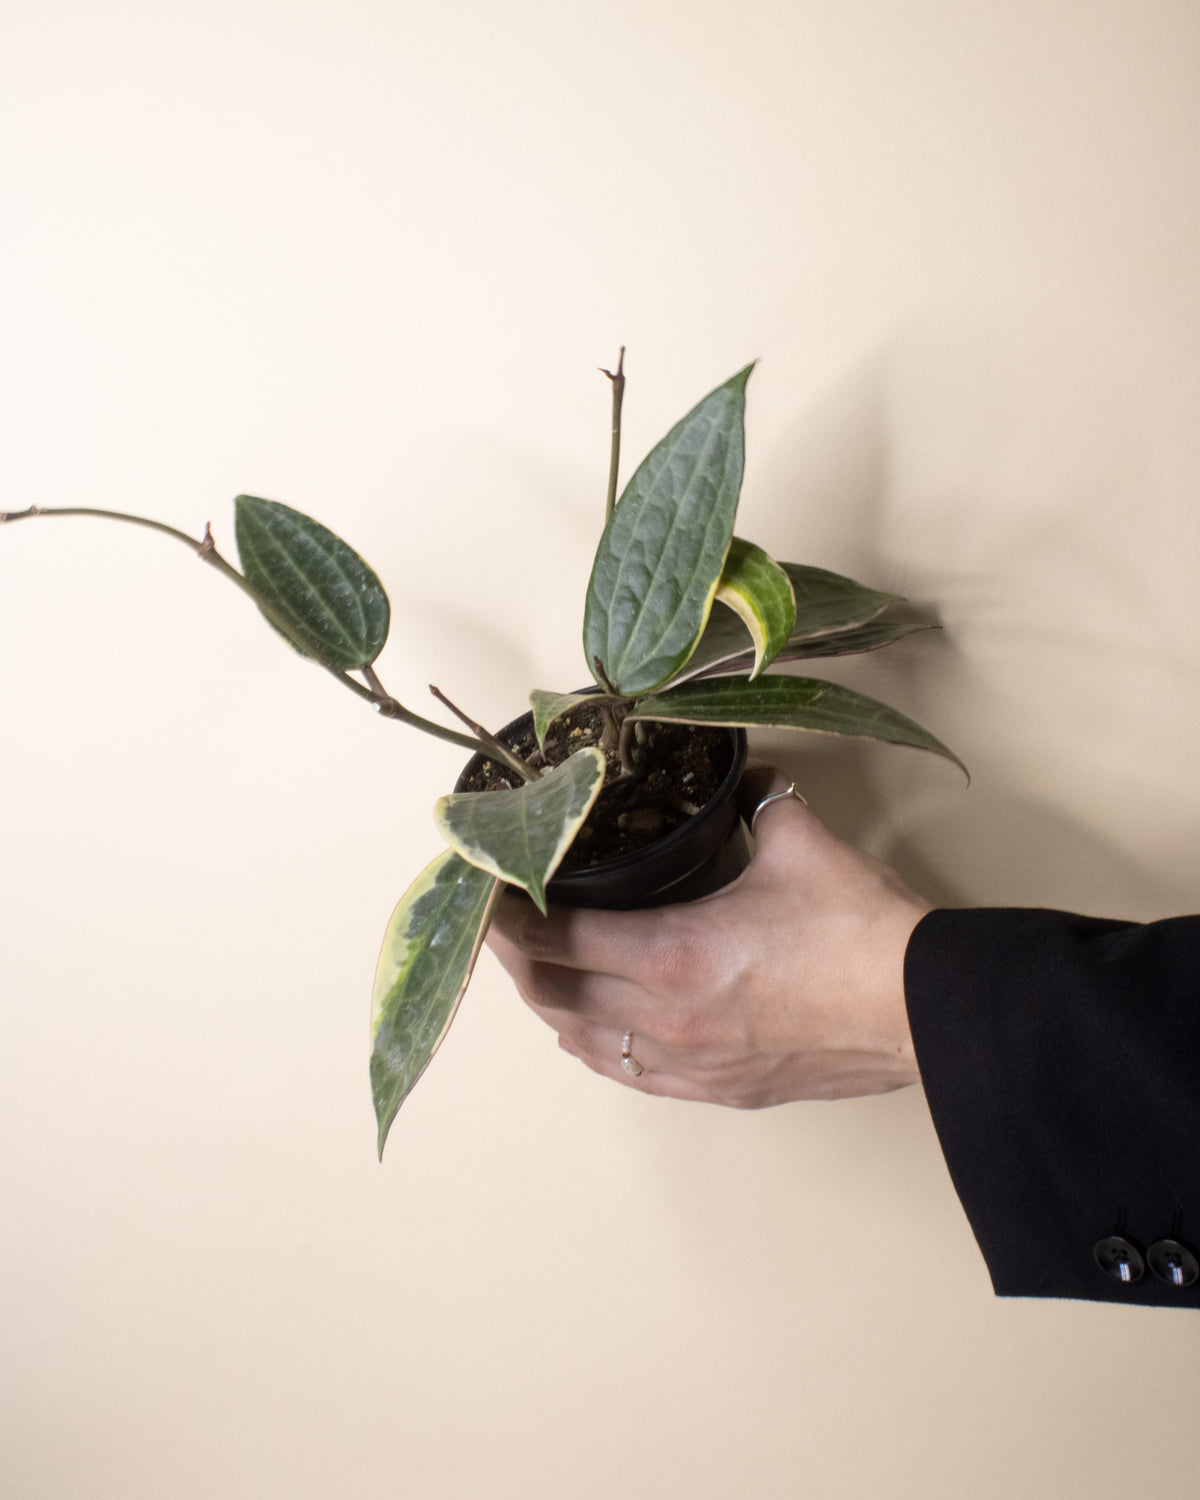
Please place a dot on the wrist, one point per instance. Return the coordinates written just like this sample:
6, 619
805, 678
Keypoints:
885, 1009
908, 1071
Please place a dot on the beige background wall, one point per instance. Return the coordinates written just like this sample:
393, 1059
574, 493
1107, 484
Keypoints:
366, 257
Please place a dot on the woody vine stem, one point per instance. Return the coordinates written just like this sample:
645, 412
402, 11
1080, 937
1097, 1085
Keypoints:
373, 692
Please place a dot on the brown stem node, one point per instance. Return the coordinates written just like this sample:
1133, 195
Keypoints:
496, 748
619, 372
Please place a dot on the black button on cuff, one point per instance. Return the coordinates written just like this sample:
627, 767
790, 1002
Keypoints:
1173, 1263
1119, 1258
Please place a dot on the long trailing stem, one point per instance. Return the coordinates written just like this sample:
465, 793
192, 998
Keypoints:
206, 550
617, 377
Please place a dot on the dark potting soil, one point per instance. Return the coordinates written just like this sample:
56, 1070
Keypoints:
680, 767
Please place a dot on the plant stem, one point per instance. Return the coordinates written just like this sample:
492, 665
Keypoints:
617, 377
391, 708
207, 552
602, 678
628, 768
109, 515
490, 744
205, 548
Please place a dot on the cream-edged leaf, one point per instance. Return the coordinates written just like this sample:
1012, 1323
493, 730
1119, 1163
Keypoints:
429, 950
549, 706
522, 835
825, 603
760, 593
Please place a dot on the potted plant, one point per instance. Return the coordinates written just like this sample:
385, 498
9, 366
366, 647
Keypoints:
681, 620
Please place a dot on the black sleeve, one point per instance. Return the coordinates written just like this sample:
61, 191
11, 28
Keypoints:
1061, 1060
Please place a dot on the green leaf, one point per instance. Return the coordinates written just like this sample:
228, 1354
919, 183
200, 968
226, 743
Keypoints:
522, 835
320, 593
662, 551
760, 593
739, 660
549, 706
826, 601
851, 642
778, 702
429, 950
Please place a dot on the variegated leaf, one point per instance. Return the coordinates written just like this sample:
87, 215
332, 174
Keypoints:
549, 706
662, 551
724, 646
825, 602
429, 950
760, 593
778, 702
522, 835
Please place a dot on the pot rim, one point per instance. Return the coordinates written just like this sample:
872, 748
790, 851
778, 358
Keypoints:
661, 850
669, 842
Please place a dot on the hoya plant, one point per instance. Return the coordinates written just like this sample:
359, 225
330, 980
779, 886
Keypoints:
681, 620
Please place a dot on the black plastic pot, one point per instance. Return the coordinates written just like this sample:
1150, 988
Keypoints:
695, 859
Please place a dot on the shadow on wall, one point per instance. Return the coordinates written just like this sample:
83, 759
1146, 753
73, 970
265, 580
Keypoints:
986, 845
1021, 545
490, 603
824, 484
952, 470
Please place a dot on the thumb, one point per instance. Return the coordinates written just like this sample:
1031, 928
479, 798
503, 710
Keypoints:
773, 808
760, 779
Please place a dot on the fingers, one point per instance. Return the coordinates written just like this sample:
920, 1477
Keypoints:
603, 1048
602, 1054
556, 991
576, 939
620, 944
786, 984
759, 780
785, 826
591, 1014
632, 943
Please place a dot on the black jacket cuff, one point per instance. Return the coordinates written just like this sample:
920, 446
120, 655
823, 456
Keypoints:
1061, 1061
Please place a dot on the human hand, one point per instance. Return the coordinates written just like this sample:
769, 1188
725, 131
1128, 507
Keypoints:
788, 984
